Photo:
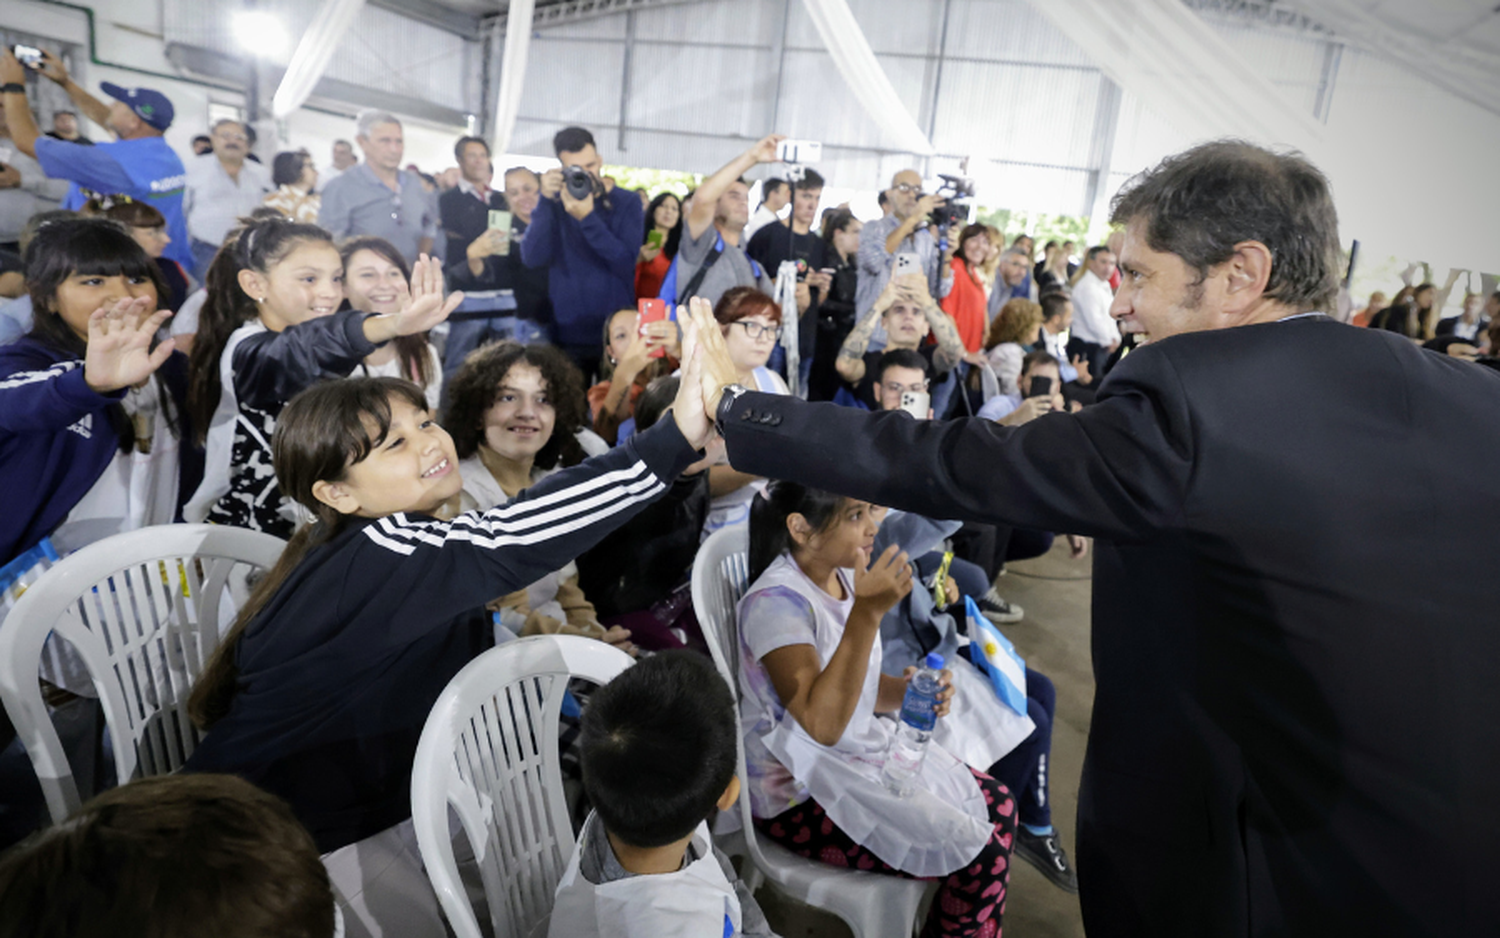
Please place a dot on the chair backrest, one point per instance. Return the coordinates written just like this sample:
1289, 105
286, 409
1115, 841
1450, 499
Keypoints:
721, 574
142, 611
489, 751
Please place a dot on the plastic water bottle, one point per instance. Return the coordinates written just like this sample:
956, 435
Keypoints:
918, 718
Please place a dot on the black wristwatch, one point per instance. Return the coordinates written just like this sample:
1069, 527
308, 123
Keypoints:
731, 394
12, 87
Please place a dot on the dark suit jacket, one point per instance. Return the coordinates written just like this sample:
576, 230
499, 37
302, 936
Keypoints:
465, 218
1296, 728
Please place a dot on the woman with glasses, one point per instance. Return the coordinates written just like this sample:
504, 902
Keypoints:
751, 323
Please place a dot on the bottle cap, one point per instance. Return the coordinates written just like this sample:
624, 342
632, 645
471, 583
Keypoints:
935, 661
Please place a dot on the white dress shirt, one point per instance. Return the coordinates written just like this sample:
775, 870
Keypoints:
1091, 320
214, 202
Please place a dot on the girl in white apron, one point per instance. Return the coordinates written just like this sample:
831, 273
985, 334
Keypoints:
814, 747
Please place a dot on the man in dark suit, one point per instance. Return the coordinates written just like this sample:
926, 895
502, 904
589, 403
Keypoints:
1296, 727
465, 209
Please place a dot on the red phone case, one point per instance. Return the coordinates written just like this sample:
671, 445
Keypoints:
652, 310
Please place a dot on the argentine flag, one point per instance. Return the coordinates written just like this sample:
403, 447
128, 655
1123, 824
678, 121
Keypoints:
996, 658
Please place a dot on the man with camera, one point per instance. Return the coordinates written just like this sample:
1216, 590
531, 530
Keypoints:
794, 240
905, 230
588, 241
138, 164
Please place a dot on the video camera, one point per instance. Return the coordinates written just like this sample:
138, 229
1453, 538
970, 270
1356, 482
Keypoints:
956, 189
580, 184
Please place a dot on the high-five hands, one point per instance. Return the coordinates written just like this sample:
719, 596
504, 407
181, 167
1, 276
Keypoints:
119, 345
716, 370
426, 306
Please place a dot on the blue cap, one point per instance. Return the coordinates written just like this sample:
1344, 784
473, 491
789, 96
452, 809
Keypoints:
149, 105
934, 661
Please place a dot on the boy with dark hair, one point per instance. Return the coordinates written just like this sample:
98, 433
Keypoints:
658, 752
795, 239
175, 856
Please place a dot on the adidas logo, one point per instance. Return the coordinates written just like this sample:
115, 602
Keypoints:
84, 427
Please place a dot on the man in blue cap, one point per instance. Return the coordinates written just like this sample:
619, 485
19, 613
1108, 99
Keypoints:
139, 164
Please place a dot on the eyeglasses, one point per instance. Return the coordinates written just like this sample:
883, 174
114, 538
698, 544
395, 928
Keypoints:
918, 388
755, 331
906, 187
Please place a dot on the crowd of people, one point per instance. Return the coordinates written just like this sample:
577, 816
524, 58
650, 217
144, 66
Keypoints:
455, 403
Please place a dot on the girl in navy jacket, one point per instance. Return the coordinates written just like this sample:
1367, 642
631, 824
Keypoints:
268, 330
78, 405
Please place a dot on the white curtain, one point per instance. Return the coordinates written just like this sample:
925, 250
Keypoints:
512, 72
852, 55
312, 54
1179, 67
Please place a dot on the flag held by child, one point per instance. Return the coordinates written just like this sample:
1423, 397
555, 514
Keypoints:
994, 655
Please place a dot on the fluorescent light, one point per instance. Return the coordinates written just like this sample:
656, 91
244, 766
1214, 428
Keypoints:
261, 33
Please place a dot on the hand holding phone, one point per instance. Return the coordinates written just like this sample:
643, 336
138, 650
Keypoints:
1041, 386
500, 223
652, 310
29, 56
917, 403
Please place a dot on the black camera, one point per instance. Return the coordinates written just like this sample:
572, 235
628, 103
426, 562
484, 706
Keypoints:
956, 189
580, 184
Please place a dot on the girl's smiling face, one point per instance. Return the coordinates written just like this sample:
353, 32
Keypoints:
374, 284
413, 469
305, 284
520, 421
81, 294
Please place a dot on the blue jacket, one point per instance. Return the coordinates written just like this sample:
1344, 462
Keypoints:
57, 438
592, 263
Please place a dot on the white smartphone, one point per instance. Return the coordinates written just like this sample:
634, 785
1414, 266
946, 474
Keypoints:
907, 263
799, 151
916, 403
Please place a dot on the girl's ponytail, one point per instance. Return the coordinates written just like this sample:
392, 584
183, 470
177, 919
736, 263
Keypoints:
769, 537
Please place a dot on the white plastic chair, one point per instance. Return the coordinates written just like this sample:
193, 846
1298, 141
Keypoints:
489, 751
871, 904
143, 611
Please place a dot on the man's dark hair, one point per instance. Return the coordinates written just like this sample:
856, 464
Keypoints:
768, 187
1098, 249
57, 114
901, 358
1053, 303
654, 401
810, 180
458, 148
1200, 203
203, 138
286, 168
571, 140
882, 199
658, 748
1039, 357
170, 857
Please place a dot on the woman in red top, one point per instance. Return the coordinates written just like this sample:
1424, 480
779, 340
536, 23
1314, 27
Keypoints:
664, 219
967, 301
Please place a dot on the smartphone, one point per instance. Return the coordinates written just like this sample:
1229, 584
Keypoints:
907, 263
656, 238
799, 151
29, 56
1041, 386
916, 403
649, 310
500, 221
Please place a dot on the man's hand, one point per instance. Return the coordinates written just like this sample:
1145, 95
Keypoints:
717, 369
925, 205
53, 68
119, 345
552, 183
820, 281
427, 307
1081, 365
1030, 409
11, 69
578, 208
804, 297
764, 150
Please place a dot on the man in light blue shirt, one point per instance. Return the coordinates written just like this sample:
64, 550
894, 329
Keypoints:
139, 164
379, 198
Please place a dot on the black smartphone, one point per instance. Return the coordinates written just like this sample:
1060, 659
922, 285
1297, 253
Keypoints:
1041, 386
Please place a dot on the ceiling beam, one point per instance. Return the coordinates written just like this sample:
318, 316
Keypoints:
434, 14
573, 11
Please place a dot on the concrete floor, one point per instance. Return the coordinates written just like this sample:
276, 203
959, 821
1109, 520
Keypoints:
1054, 639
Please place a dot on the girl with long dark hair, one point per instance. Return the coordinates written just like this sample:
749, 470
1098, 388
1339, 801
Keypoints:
271, 326
664, 219
377, 279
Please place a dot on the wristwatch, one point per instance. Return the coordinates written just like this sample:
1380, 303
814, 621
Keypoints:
730, 394
12, 87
